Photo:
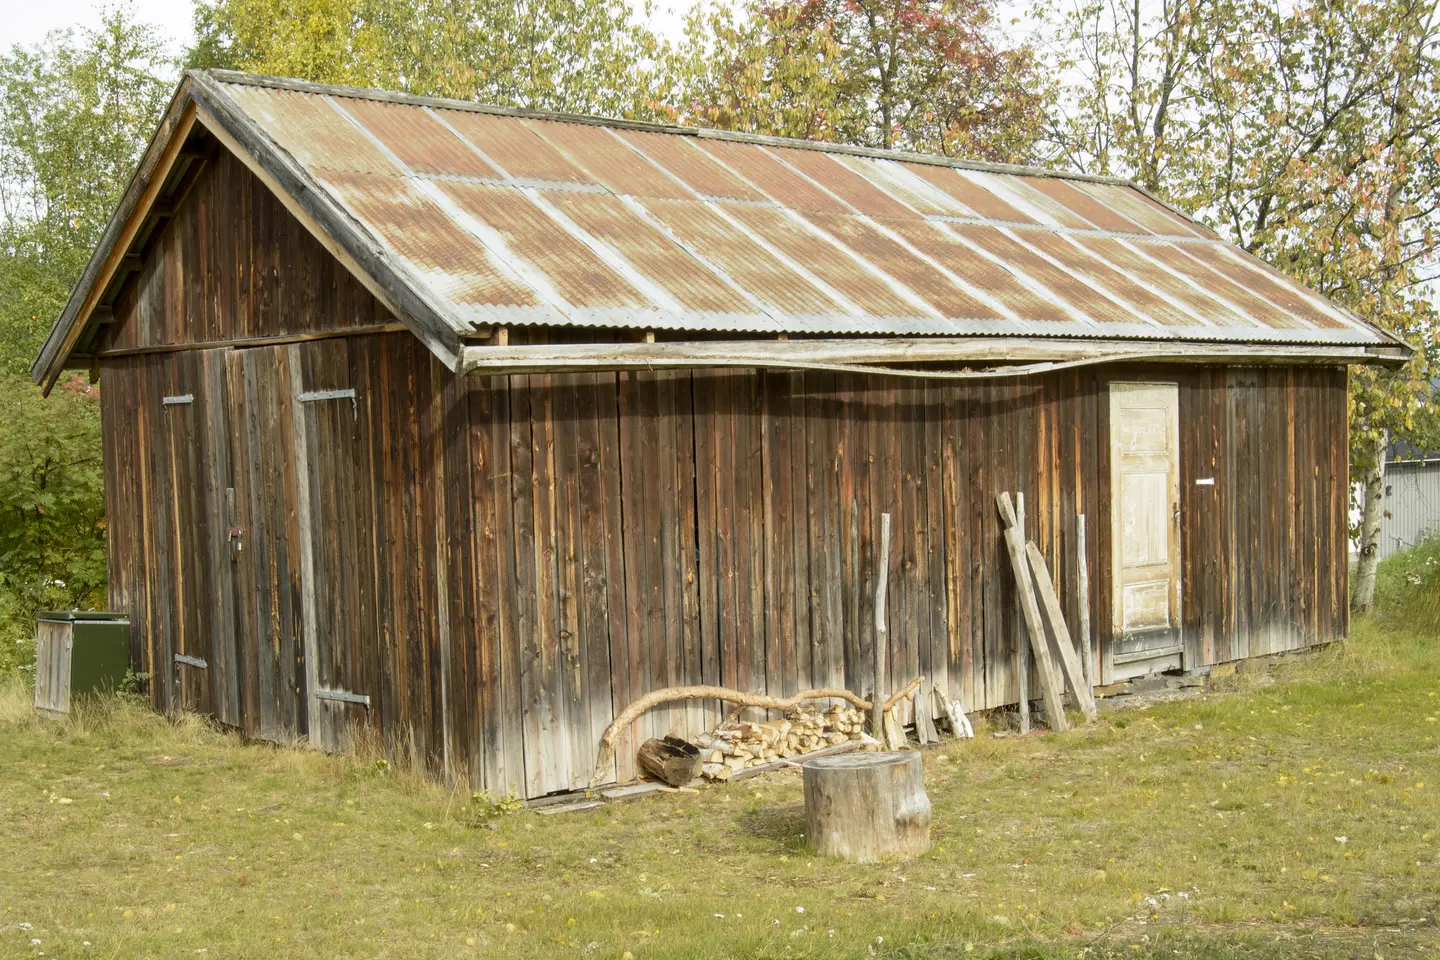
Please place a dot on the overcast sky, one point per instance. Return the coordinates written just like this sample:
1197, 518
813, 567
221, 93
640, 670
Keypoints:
27, 21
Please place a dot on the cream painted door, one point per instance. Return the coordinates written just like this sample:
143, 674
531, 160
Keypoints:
1145, 529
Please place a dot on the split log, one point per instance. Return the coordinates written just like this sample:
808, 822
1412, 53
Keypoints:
672, 760
669, 694
866, 807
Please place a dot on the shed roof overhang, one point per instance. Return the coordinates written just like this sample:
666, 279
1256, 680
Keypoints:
462, 218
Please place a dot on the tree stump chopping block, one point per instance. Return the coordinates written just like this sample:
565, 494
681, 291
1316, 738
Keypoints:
867, 807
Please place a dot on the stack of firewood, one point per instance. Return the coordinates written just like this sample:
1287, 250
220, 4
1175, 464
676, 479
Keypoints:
737, 744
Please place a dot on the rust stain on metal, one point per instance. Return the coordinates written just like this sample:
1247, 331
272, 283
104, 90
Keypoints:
938, 242
417, 229
314, 132
420, 141
695, 168
577, 274
1219, 284
1151, 275
751, 265
609, 161
1146, 301
846, 183
767, 173
969, 193
902, 182
1084, 205
684, 277
826, 260
920, 277
514, 146
1264, 280
1140, 208
1018, 188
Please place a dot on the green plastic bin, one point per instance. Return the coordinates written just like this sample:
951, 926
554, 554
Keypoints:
76, 652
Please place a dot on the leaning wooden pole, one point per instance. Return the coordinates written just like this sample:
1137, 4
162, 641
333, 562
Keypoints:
1082, 600
1022, 655
882, 647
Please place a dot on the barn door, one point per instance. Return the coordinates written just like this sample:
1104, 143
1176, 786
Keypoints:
1145, 529
190, 451
264, 544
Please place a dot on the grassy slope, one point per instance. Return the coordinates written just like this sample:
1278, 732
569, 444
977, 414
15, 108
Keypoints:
1200, 828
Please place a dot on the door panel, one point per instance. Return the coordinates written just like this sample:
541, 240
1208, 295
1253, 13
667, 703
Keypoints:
266, 548
1145, 529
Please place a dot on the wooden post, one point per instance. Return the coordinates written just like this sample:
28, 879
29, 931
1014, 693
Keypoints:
1050, 685
882, 646
1082, 600
866, 807
1064, 646
1022, 655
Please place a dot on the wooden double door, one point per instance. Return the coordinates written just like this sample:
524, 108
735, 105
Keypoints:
249, 541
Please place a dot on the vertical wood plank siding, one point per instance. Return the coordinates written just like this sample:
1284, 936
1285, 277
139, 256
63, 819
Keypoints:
501, 564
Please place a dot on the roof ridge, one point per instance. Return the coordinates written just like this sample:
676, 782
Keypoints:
410, 99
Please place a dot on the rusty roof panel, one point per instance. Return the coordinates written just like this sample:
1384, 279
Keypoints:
1061, 281
695, 168
1136, 206
498, 217
757, 271
846, 182
512, 148
608, 160
1149, 274
1273, 286
831, 264
1146, 301
937, 242
537, 241
1221, 286
764, 171
685, 278
314, 132
420, 141
920, 277
419, 230
1082, 203
901, 182
969, 193
1032, 201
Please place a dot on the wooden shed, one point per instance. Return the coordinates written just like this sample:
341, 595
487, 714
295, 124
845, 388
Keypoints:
471, 425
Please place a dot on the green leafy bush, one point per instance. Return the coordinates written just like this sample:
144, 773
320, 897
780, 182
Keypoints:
52, 508
1407, 586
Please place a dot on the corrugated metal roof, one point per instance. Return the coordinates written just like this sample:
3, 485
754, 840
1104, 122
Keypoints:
463, 216
516, 219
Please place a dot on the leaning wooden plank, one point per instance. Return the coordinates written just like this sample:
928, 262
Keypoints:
1022, 659
570, 807
1050, 687
849, 746
1050, 608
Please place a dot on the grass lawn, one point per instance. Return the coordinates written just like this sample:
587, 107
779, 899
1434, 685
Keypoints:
1294, 815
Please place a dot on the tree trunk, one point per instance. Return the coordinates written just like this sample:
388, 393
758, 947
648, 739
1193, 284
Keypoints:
1370, 518
866, 807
